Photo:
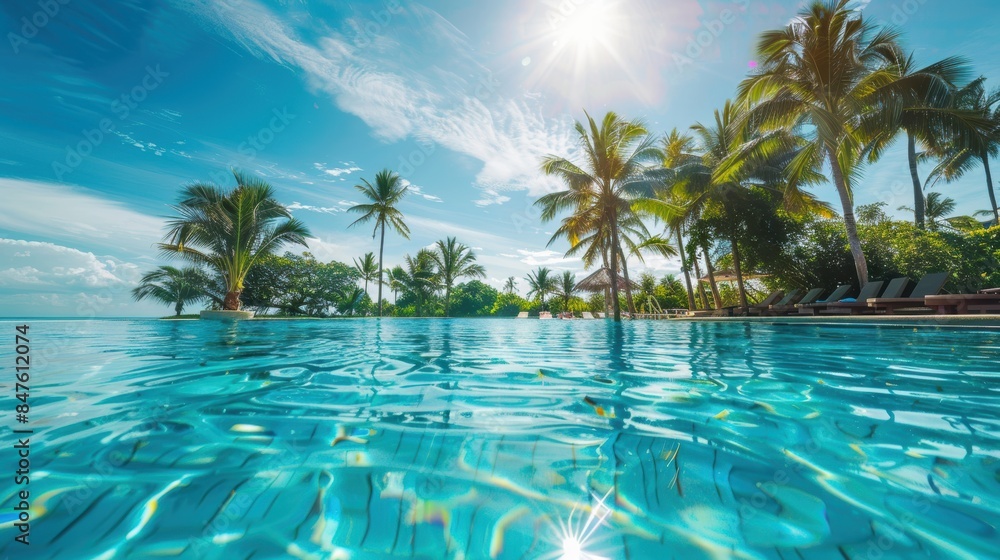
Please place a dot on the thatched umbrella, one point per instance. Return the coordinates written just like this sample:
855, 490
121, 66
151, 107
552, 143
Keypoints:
600, 281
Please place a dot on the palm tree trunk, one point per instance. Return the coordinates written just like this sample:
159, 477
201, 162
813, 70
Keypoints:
918, 192
738, 269
381, 246
628, 285
447, 300
615, 304
860, 264
684, 267
178, 307
711, 278
989, 188
701, 285
232, 301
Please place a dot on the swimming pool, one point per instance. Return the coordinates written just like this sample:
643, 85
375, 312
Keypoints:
510, 439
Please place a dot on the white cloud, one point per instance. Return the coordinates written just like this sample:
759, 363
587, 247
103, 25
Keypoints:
449, 100
545, 257
323, 209
348, 168
51, 265
75, 215
490, 197
419, 191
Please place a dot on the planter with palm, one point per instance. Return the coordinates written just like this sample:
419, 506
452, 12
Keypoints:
229, 231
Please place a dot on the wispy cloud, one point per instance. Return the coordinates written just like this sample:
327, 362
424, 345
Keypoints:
437, 96
419, 191
75, 215
348, 168
322, 209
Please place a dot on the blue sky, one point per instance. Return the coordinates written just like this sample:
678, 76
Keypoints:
105, 113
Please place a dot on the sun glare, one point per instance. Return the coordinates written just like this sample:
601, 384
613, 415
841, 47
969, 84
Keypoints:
587, 25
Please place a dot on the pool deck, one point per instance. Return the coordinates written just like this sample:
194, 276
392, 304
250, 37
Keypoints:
923, 320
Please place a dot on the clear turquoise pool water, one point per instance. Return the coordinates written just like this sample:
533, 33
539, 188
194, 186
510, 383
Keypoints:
509, 439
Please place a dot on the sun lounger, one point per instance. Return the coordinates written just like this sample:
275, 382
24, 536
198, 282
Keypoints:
544, 315
600, 315
929, 285
848, 305
837, 295
791, 298
731, 310
522, 315
962, 304
990, 291
587, 315
810, 297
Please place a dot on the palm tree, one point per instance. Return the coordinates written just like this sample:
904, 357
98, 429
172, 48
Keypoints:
918, 102
676, 148
230, 231
978, 145
455, 260
351, 300
420, 278
820, 71
394, 278
173, 286
541, 283
367, 268
385, 195
510, 286
937, 209
600, 191
736, 160
566, 288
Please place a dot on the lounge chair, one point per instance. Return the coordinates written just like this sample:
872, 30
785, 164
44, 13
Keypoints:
544, 315
791, 298
895, 289
929, 285
600, 315
522, 315
848, 305
990, 291
810, 297
837, 295
586, 315
731, 310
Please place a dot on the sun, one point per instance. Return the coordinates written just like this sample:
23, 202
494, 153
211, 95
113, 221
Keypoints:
587, 25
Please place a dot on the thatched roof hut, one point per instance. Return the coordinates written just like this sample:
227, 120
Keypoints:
600, 281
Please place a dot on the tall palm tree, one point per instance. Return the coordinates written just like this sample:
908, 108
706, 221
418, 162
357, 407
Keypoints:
978, 145
510, 286
385, 195
919, 102
677, 150
820, 71
566, 288
937, 210
173, 286
230, 231
541, 283
420, 278
455, 260
367, 268
601, 190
